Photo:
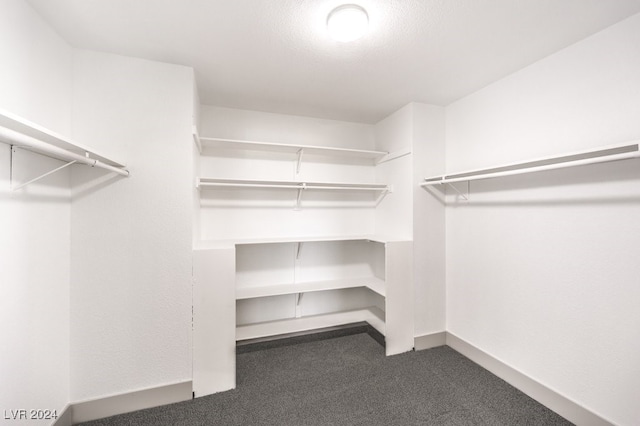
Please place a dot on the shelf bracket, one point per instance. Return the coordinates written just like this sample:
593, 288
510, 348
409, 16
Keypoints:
196, 138
302, 187
298, 299
36, 178
464, 196
298, 250
300, 152
11, 167
383, 194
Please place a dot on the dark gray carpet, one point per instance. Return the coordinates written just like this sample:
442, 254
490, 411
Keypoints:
348, 381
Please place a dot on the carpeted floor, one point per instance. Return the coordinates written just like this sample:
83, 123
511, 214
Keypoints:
349, 381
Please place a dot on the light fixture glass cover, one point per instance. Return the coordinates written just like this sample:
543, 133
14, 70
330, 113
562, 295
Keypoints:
348, 22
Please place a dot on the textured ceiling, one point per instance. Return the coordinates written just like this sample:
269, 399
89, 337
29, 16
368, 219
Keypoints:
275, 55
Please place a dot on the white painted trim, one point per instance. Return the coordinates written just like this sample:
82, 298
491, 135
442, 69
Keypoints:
99, 408
65, 417
428, 341
398, 325
548, 397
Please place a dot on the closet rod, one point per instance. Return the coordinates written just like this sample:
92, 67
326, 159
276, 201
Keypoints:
623, 152
21, 140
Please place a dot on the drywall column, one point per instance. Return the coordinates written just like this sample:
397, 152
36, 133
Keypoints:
131, 237
394, 134
214, 320
542, 269
35, 83
398, 295
394, 216
429, 226
417, 130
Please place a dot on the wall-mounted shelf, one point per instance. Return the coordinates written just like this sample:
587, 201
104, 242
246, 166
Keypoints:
372, 315
204, 183
217, 143
213, 244
21, 133
376, 157
593, 156
211, 183
372, 283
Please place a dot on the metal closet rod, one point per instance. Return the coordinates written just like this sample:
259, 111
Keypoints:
18, 139
622, 152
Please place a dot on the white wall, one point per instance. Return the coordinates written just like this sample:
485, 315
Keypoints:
131, 237
394, 134
542, 270
35, 82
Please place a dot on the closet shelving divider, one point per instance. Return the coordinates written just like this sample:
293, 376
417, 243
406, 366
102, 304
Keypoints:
21, 133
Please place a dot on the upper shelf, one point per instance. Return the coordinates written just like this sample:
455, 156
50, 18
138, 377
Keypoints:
28, 128
290, 148
600, 155
376, 157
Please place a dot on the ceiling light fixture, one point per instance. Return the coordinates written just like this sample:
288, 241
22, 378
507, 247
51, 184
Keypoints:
348, 22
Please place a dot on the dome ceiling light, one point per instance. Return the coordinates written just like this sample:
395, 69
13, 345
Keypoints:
347, 23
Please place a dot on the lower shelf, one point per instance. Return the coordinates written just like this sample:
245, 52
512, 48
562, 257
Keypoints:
372, 283
372, 315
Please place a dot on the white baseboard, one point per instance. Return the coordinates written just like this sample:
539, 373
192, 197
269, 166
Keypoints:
550, 398
428, 341
99, 408
64, 418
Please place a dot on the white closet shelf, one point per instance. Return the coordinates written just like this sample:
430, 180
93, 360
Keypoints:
374, 284
218, 143
206, 183
301, 187
214, 244
372, 315
25, 127
580, 158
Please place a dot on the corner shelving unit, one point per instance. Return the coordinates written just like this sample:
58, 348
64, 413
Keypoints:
268, 287
21, 133
378, 267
